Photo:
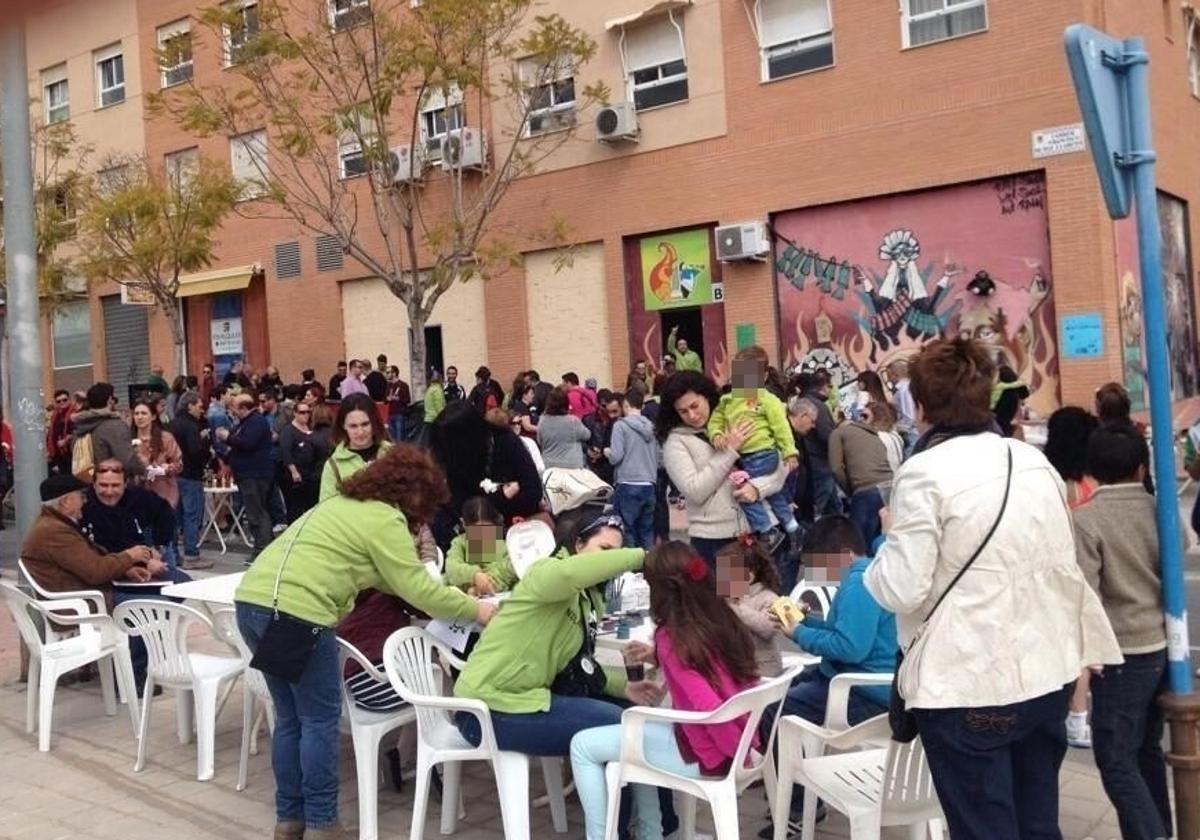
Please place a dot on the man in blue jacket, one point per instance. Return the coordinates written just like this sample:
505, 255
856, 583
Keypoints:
253, 466
857, 636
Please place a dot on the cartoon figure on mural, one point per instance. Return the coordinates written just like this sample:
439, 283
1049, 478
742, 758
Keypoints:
988, 323
670, 279
902, 299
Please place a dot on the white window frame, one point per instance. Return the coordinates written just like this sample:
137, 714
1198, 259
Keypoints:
52, 77
631, 88
114, 52
175, 29
948, 7
181, 164
230, 59
769, 45
1193, 51
74, 306
350, 147
447, 106
349, 13
562, 113
244, 150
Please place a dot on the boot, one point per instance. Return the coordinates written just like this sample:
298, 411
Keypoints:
334, 832
289, 830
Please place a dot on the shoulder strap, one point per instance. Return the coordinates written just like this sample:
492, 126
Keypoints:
986, 540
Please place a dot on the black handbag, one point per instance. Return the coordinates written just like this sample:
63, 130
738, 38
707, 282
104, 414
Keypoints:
287, 646
582, 676
903, 723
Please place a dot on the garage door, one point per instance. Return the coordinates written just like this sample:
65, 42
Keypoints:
126, 345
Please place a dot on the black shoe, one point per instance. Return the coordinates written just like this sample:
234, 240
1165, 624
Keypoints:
795, 824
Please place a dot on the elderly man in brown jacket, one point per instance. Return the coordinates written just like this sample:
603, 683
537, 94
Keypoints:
62, 559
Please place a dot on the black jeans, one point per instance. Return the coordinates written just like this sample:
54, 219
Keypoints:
1127, 731
256, 496
996, 767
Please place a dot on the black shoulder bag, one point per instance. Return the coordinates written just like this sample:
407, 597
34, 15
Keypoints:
583, 676
903, 723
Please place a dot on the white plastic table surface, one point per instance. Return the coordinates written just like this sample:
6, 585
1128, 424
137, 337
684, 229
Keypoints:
217, 589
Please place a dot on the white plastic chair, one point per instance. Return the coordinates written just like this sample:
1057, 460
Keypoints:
800, 738
822, 593
367, 730
97, 641
256, 697
408, 659
94, 597
163, 627
720, 792
873, 788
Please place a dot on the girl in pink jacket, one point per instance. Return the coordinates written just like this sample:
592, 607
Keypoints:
706, 656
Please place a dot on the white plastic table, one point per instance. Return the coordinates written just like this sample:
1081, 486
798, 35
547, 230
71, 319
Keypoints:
217, 590
216, 500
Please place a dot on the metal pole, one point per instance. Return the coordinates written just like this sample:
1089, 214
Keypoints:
1181, 707
20, 241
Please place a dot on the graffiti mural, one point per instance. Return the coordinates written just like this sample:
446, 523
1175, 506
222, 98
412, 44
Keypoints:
1129, 290
865, 282
1177, 287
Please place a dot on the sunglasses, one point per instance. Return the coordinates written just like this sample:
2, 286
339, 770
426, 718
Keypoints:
608, 520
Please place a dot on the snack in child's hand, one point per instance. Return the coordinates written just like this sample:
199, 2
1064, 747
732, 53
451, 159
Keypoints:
788, 611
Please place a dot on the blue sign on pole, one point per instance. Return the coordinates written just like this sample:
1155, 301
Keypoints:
1112, 82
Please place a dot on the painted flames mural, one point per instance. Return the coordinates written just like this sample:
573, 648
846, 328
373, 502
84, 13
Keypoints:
866, 282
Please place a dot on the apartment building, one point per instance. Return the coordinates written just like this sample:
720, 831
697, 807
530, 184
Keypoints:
882, 172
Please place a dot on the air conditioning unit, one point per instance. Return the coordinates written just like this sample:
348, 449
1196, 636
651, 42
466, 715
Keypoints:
464, 148
617, 123
408, 164
743, 241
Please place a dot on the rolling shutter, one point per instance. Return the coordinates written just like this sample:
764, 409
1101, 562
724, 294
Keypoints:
127, 346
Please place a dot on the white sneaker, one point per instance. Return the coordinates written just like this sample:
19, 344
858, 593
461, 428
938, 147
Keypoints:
1079, 734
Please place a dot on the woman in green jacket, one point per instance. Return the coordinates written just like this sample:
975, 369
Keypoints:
359, 437
520, 666
307, 580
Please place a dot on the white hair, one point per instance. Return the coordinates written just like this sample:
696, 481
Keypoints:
801, 406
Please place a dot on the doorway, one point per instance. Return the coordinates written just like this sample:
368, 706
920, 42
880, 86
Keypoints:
690, 324
434, 353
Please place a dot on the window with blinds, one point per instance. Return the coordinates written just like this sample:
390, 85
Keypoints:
930, 21
56, 94
656, 64
795, 36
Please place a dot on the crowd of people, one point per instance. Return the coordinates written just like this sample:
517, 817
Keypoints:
1018, 584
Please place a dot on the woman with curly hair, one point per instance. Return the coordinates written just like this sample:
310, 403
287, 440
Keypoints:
303, 584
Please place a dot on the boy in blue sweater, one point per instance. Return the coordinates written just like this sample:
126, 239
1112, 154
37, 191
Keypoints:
857, 636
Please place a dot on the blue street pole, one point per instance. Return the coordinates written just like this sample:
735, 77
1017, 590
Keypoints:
1141, 159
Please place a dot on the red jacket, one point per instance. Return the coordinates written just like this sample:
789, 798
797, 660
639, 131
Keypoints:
582, 401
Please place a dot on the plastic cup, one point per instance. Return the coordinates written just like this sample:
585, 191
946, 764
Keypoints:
635, 671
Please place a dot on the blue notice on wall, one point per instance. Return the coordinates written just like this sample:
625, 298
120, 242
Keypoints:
1082, 335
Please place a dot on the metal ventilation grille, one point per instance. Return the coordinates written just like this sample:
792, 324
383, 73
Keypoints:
329, 253
287, 260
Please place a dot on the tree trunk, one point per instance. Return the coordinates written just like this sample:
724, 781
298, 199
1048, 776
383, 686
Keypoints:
416, 360
178, 336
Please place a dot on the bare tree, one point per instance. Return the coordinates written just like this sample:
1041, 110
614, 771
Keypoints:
144, 226
385, 91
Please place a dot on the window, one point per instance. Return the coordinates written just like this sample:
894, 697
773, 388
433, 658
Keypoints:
927, 21
358, 126
71, 326
1193, 41
346, 14
181, 166
795, 36
112, 179
65, 212
110, 76
241, 32
441, 114
655, 65
551, 97
175, 53
56, 94
248, 159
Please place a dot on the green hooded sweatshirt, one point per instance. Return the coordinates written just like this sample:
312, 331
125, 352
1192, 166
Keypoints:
435, 401
339, 548
462, 568
343, 462
538, 631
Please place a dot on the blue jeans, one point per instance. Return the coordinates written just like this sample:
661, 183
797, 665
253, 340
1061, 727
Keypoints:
592, 748
864, 512
824, 490
760, 464
396, 427
634, 503
1127, 730
547, 733
707, 548
137, 648
996, 767
304, 749
191, 507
